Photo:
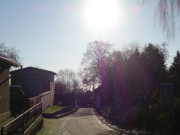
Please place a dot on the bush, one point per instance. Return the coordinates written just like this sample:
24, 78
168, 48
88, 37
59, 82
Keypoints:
155, 118
117, 115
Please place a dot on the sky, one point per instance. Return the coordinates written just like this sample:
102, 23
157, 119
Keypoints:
54, 34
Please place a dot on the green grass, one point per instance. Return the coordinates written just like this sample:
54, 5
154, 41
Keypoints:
52, 109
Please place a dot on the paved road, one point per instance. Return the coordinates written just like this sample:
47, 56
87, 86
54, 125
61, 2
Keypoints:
82, 122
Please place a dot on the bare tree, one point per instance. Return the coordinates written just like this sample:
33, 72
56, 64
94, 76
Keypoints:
167, 13
10, 53
69, 79
94, 62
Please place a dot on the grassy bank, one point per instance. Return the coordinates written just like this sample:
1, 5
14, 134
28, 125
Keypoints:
52, 109
153, 118
58, 111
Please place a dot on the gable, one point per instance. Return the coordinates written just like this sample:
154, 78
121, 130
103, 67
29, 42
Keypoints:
31, 72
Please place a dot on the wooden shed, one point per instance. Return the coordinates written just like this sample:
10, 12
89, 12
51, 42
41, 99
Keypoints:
37, 85
5, 65
33, 81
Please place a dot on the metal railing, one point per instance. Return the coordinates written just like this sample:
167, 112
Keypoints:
22, 123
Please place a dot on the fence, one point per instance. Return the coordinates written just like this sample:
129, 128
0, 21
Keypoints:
33, 101
47, 99
24, 122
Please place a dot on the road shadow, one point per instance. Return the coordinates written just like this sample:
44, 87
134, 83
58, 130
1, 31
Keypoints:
112, 133
83, 112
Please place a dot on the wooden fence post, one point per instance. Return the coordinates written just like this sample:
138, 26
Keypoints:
2, 130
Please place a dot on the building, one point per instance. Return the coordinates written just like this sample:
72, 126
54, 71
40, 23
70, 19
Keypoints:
35, 82
5, 65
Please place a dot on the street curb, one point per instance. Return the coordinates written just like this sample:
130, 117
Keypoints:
54, 115
65, 114
63, 111
104, 120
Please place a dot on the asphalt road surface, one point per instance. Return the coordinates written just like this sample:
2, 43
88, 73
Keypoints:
82, 122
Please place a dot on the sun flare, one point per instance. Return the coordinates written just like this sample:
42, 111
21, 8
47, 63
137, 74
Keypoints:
102, 14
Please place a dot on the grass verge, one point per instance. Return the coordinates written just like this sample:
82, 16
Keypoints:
52, 109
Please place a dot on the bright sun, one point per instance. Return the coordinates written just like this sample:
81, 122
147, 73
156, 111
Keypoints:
102, 14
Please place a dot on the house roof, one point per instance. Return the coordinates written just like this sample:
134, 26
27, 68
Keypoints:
9, 61
36, 69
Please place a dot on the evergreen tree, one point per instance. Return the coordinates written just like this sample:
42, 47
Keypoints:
174, 74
